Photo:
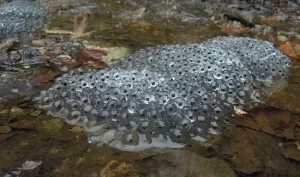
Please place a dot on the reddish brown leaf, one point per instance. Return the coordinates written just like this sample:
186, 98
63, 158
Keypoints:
297, 50
92, 57
69, 65
97, 65
268, 38
231, 30
288, 49
247, 122
271, 121
49, 76
44, 80
285, 116
23, 124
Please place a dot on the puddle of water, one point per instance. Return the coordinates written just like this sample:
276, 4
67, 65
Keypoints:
287, 98
139, 34
65, 151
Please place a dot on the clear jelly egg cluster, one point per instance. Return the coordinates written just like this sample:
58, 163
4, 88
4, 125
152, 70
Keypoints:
167, 95
20, 18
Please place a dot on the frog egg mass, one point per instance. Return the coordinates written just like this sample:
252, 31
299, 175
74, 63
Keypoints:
167, 95
21, 18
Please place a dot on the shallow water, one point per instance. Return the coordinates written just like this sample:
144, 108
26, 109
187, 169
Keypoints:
262, 143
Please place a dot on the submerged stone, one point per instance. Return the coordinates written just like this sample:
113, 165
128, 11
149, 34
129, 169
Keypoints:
164, 96
17, 112
4, 129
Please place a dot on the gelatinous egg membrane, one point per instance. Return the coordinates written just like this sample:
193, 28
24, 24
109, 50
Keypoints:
20, 18
164, 96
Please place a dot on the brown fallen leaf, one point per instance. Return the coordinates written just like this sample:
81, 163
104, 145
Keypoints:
91, 57
248, 122
23, 124
49, 76
272, 121
288, 49
95, 64
232, 30
44, 80
297, 49
270, 38
290, 150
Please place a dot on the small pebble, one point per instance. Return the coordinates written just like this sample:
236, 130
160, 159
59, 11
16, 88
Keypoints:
282, 38
4, 112
51, 126
64, 57
5, 129
77, 129
15, 56
36, 113
17, 112
39, 42
14, 90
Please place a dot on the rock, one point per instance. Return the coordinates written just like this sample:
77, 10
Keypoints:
64, 57
36, 113
247, 18
9, 44
77, 129
15, 56
4, 137
117, 169
251, 151
23, 124
17, 112
51, 126
185, 163
39, 42
4, 112
267, 30
290, 150
282, 38
5, 129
